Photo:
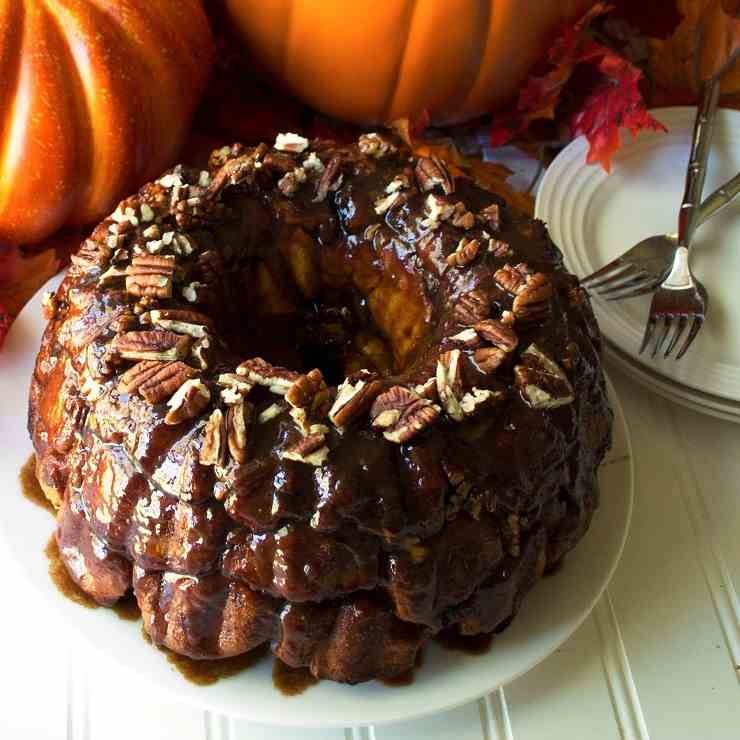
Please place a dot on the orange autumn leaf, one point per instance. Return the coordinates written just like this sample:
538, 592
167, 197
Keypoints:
676, 62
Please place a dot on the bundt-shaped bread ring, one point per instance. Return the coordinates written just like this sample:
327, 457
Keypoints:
337, 398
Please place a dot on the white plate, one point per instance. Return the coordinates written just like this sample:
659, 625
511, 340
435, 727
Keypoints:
550, 614
593, 218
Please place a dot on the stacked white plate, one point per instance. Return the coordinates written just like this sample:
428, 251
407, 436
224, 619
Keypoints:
593, 217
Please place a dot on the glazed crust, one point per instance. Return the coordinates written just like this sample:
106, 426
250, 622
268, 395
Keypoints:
249, 500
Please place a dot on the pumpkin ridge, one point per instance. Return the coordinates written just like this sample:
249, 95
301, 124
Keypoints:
411, 7
10, 63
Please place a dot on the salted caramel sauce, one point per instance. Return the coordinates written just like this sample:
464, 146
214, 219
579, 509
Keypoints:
291, 681
30, 487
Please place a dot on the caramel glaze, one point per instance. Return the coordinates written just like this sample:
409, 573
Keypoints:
30, 487
291, 681
350, 567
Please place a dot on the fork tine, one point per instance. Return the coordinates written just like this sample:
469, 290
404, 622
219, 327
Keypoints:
680, 328
603, 272
624, 269
649, 329
695, 327
667, 321
637, 281
647, 287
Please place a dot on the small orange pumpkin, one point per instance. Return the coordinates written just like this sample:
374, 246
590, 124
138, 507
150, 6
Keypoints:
95, 98
370, 61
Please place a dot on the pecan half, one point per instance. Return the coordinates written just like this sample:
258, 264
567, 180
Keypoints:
151, 345
192, 323
311, 450
329, 180
235, 387
542, 383
374, 145
150, 275
533, 300
239, 420
276, 379
449, 383
498, 334
491, 215
354, 397
431, 172
402, 414
499, 248
512, 279
213, 450
467, 250
489, 359
155, 381
472, 307
308, 391
188, 401
466, 339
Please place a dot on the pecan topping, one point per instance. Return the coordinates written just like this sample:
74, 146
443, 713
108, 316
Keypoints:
150, 275
512, 279
272, 411
467, 250
192, 323
462, 218
155, 381
213, 451
354, 398
238, 421
430, 172
194, 292
492, 216
188, 401
291, 143
275, 379
427, 390
200, 351
49, 305
489, 359
111, 276
533, 300
542, 383
308, 391
498, 334
477, 398
331, 179
466, 339
499, 248
235, 387
151, 345
374, 145
389, 201
399, 182
290, 182
402, 414
449, 383
311, 450
472, 307
436, 209
313, 164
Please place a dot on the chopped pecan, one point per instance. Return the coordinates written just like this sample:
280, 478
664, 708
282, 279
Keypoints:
276, 379
467, 250
462, 218
271, 412
498, 334
49, 305
200, 352
195, 292
291, 143
151, 345
290, 182
477, 398
330, 179
188, 401
239, 420
507, 318
124, 322
449, 383
430, 172
466, 339
399, 182
311, 450
428, 389
192, 323
307, 391
499, 248
542, 383
111, 276
512, 279
402, 414
150, 275
533, 300
489, 359
491, 215
472, 307
313, 164
436, 210
213, 450
354, 398
235, 387
155, 381
374, 145
384, 204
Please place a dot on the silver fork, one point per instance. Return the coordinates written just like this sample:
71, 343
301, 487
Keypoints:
681, 298
640, 269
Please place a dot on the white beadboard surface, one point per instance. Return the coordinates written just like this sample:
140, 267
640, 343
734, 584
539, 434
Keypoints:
659, 657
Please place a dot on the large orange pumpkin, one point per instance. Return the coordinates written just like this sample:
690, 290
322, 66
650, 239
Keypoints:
372, 61
95, 98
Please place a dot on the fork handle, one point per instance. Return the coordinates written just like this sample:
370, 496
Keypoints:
719, 199
700, 144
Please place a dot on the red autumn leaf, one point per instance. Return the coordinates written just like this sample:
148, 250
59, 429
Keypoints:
616, 103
